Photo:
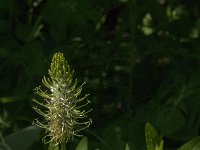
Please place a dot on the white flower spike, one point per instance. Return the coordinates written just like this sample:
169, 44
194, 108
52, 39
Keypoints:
63, 109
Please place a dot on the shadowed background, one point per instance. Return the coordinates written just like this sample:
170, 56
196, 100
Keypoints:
140, 59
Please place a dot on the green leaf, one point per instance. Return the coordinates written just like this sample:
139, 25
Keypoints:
152, 138
127, 147
83, 145
23, 139
3, 146
171, 120
186, 133
160, 147
11, 99
193, 144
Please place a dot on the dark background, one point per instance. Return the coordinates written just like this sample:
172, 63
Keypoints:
140, 59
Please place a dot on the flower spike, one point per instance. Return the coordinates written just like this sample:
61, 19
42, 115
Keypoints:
62, 106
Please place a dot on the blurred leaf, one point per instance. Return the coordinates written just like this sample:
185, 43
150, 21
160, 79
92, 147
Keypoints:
153, 141
23, 31
83, 145
23, 139
185, 133
127, 147
170, 120
4, 146
96, 136
160, 147
12, 99
193, 144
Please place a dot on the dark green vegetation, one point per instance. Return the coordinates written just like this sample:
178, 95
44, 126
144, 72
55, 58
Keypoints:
140, 59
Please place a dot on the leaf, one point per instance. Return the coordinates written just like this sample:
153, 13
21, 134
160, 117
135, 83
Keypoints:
193, 144
127, 147
150, 134
11, 99
152, 138
160, 147
186, 133
171, 120
83, 145
23, 139
3, 146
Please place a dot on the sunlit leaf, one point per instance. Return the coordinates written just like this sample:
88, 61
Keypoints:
152, 138
193, 144
127, 147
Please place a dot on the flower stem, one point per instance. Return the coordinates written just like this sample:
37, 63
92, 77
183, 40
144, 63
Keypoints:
53, 147
63, 146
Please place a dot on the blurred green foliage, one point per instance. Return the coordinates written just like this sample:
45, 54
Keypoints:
140, 59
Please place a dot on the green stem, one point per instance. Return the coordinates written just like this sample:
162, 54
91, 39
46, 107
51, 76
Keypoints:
133, 49
53, 147
63, 146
